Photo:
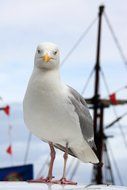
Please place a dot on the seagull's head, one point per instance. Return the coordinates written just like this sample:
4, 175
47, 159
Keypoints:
47, 56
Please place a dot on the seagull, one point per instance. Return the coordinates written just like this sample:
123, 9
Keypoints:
56, 113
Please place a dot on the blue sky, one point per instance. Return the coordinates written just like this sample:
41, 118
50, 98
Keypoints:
24, 24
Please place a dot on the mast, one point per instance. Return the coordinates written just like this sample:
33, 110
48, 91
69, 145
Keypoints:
98, 112
98, 109
97, 65
101, 175
97, 68
98, 105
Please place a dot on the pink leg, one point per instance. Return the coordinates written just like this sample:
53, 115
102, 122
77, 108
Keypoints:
48, 179
52, 153
63, 180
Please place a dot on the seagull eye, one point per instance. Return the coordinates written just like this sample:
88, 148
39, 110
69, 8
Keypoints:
55, 52
39, 51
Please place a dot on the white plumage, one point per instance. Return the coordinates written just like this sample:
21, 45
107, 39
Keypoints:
55, 112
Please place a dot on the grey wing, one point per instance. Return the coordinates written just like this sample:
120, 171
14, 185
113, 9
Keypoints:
62, 148
85, 118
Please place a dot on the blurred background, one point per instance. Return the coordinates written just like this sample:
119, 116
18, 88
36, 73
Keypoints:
73, 26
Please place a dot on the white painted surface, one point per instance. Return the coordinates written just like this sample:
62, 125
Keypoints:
40, 186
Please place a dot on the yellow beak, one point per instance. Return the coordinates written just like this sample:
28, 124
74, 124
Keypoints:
46, 58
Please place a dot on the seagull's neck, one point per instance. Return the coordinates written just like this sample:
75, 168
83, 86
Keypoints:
43, 73
47, 77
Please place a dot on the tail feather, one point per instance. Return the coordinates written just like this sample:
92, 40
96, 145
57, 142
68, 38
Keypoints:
85, 153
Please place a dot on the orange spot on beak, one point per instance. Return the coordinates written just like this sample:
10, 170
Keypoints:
46, 58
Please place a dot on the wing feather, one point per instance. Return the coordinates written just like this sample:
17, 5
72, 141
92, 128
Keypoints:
85, 118
63, 149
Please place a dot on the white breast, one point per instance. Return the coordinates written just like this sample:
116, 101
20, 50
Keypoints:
47, 111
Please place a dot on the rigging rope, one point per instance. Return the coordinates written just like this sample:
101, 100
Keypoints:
116, 120
120, 89
27, 148
87, 82
115, 40
115, 163
75, 169
72, 162
10, 141
108, 175
78, 41
9, 150
46, 163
